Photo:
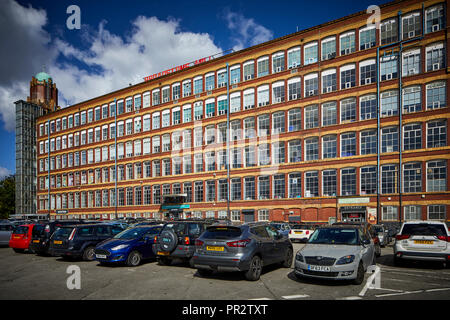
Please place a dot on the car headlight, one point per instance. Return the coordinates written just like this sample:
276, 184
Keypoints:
119, 247
299, 257
346, 259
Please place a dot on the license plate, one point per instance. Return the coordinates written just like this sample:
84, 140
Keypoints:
35, 241
210, 248
423, 241
100, 256
57, 242
298, 232
319, 268
16, 237
163, 253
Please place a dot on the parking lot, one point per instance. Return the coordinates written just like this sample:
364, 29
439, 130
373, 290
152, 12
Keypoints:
29, 276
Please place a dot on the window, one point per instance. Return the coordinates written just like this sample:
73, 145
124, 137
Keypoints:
368, 107
295, 151
348, 76
329, 147
311, 53
187, 113
437, 133
436, 175
389, 139
198, 191
413, 212
278, 123
249, 99
222, 105
249, 188
347, 43
389, 31
210, 191
249, 70
209, 81
368, 142
278, 153
348, 181
264, 154
348, 144
312, 148
250, 153
156, 120
412, 100
295, 185
235, 102
223, 190
367, 37
294, 89
222, 78
436, 95
329, 183
367, 72
263, 66
263, 125
368, 180
157, 194
411, 62
295, 119
437, 212
411, 25
389, 178
278, 62
236, 157
435, 57
186, 88
389, 103
236, 189
294, 58
176, 116
311, 84
249, 128
329, 83
412, 177
434, 18
389, 213
156, 144
412, 136
156, 168
146, 100
328, 48
263, 188
198, 162
348, 110
279, 189
311, 184
311, 117
388, 67
198, 110
198, 85
210, 106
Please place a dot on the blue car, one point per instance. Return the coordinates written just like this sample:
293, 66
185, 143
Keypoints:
130, 246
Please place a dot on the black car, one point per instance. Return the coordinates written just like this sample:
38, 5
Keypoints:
40, 240
79, 241
177, 240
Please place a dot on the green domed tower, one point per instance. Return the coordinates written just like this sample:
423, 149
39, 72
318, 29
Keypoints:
43, 91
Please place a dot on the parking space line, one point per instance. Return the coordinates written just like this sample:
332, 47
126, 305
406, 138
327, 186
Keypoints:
398, 293
261, 299
295, 296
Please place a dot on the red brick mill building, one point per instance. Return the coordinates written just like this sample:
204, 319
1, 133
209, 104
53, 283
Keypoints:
305, 114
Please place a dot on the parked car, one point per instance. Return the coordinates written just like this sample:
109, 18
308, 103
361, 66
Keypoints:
338, 252
177, 240
301, 232
6, 229
130, 246
282, 227
246, 248
422, 240
370, 228
40, 241
21, 237
79, 241
383, 235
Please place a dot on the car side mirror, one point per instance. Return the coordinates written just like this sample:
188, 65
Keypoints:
365, 242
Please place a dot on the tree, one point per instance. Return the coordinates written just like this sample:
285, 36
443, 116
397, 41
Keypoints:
7, 196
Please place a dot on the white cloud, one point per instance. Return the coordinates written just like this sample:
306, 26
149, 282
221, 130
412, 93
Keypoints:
246, 32
113, 60
4, 173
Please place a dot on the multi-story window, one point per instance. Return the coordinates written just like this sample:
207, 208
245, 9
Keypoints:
278, 92
311, 184
176, 90
263, 95
412, 177
311, 117
389, 178
249, 188
198, 84
437, 133
249, 99
329, 147
311, 53
249, 128
198, 191
295, 185
368, 180
279, 188
278, 123
263, 125
389, 103
368, 142
411, 62
368, 107
412, 136
294, 88
329, 183
389, 213
210, 190
210, 81
329, 83
198, 162
348, 76
278, 62
412, 100
312, 148
176, 116
156, 194
249, 70
411, 25
389, 31
347, 42
235, 102
187, 113
434, 18
278, 152
348, 144
295, 151
187, 164
187, 88
389, 139
412, 213
294, 57
436, 212
264, 154
294, 119
436, 95
156, 168
328, 48
348, 110
435, 57
263, 66
263, 187
367, 37
222, 190
436, 175
388, 67
348, 181
311, 84
250, 156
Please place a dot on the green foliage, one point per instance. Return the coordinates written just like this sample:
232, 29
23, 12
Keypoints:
7, 197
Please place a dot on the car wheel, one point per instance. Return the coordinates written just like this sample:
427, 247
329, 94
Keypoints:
89, 254
163, 261
287, 262
254, 272
204, 272
134, 259
360, 274
191, 262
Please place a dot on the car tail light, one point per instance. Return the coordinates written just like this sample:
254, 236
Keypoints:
307, 231
444, 238
72, 234
239, 243
187, 241
290, 231
376, 240
47, 228
198, 243
155, 239
402, 236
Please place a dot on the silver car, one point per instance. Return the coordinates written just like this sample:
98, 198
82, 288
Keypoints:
5, 233
336, 252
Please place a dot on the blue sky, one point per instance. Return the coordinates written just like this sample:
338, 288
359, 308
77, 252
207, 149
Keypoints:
120, 42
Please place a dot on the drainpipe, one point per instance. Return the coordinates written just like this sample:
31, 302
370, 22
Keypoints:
49, 184
115, 158
228, 144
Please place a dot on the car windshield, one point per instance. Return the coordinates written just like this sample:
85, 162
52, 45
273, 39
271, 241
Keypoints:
21, 230
334, 236
424, 229
63, 232
222, 233
277, 226
178, 228
38, 230
302, 226
133, 233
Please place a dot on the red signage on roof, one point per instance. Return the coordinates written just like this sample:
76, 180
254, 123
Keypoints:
184, 66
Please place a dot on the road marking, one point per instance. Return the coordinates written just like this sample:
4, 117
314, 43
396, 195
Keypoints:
438, 289
350, 298
295, 296
398, 294
260, 299
370, 280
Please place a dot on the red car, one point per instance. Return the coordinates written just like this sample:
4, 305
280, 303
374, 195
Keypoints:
21, 237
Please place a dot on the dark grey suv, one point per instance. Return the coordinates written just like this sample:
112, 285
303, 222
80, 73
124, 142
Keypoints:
246, 248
